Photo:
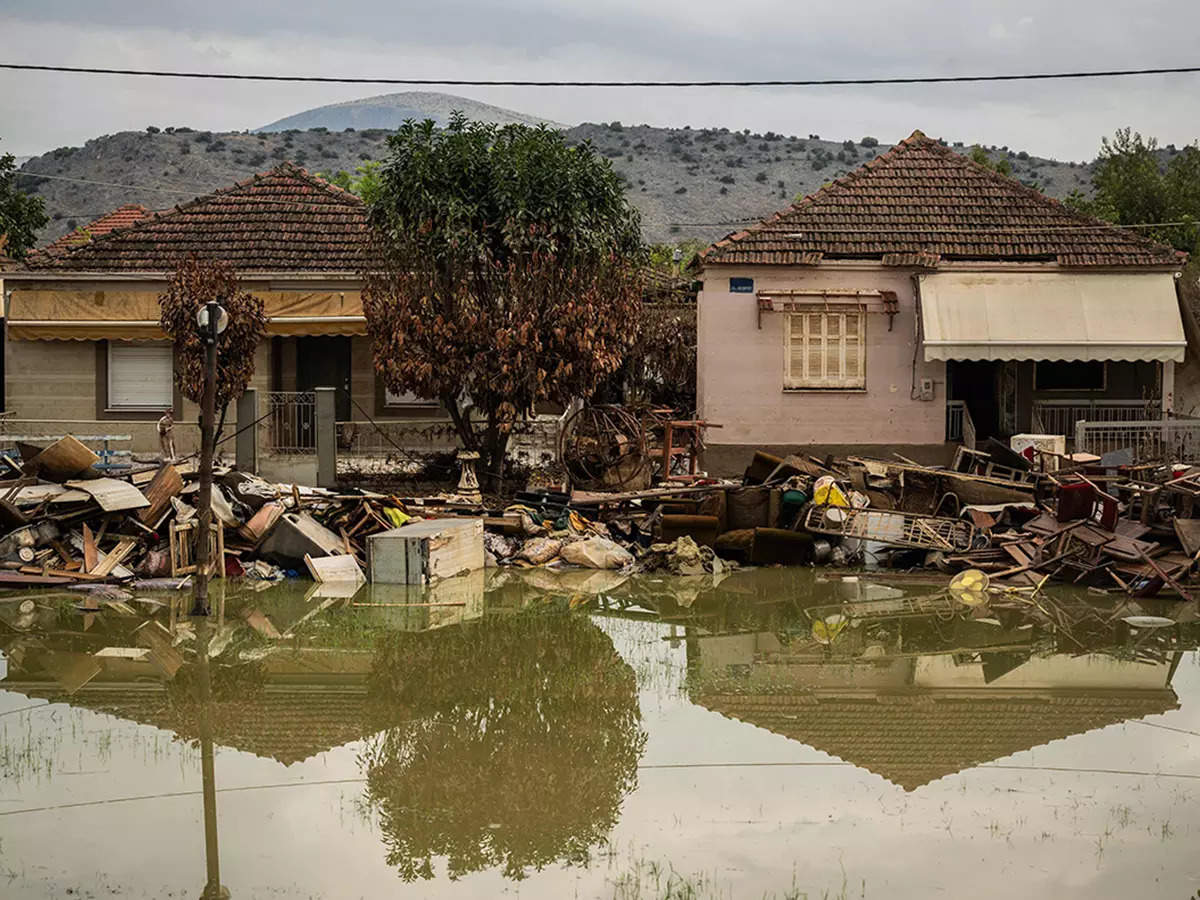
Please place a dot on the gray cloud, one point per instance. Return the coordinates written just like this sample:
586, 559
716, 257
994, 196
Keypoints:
619, 39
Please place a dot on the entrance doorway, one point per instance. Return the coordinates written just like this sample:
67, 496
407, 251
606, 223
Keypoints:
989, 390
325, 362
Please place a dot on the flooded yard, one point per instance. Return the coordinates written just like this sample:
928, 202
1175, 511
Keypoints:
778, 733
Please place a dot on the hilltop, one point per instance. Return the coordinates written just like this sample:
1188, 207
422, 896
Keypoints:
688, 183
390, 110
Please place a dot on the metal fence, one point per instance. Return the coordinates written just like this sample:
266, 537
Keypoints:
1173, 440
290, 424
959, 424
1060, 416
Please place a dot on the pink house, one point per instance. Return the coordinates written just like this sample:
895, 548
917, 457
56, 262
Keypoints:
922, 295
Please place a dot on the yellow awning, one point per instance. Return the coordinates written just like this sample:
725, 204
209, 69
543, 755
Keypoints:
63, 315
1051, 316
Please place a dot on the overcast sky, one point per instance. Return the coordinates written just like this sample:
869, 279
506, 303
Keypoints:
617, 39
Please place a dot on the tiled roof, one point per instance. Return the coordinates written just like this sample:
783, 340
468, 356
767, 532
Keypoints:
913, 739
287, 724
921, 203
285, 220
121, 217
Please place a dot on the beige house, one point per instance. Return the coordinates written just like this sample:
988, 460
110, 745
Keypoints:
923, 295
83, 349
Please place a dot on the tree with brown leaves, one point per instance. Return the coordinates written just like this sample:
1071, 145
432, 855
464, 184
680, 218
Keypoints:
506, 271
194, 283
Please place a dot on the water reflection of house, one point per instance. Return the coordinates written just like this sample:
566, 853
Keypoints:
301, 699
288, 707
915, 718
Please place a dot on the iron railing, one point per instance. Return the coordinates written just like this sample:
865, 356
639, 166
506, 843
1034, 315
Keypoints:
290, 424
1060, 416
1147, 440
960, 427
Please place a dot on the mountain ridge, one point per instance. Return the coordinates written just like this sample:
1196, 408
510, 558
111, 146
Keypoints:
688, 184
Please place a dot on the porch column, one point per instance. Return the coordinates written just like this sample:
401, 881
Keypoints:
1168, 388
326, 413
247, 432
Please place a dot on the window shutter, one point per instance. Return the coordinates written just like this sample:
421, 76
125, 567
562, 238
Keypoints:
854, 363
825, 350
140, 376
814, 339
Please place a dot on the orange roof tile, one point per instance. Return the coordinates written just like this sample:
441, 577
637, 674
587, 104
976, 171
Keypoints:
121, 217
921, 203
285, 220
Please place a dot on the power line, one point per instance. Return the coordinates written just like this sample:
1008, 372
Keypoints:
940, 229
132, 187
502, 82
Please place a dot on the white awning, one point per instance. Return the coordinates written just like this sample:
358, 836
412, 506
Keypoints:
1048, 316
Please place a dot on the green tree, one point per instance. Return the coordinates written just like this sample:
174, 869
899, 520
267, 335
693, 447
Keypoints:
505, 270
1131, 187
365, 181
980, 156
20, 215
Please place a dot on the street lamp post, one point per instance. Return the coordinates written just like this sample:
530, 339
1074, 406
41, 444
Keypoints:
211, 319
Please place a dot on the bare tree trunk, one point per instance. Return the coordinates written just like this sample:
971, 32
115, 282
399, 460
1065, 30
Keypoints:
462, 424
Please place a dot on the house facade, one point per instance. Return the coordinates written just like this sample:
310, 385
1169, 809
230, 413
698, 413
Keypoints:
84, 351
923, 295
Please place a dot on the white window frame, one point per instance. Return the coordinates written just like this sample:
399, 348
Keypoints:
113, 406
824, 380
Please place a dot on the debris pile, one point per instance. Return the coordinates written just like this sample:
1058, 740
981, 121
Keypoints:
68, 521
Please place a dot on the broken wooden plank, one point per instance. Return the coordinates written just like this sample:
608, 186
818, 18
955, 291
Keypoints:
114, 559
334, 569
90, 555
166, 484
65, 458
1188, 532
112, 494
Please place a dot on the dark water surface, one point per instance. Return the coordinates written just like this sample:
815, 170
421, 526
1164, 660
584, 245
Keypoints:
586, 735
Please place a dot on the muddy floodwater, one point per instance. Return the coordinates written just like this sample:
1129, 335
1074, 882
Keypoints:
530, 734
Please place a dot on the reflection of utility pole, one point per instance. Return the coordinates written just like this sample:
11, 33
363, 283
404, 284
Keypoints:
213, 890
211, 320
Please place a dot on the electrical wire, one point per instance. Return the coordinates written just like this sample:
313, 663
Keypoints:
131, 187
506, 82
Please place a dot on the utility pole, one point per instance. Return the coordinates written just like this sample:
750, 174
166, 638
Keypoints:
211, 320
213, 889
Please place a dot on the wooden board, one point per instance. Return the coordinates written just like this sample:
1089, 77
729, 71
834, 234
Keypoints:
112, 494
334, 569
1188, 532
13, 579
63, 459
165, 485
262, 522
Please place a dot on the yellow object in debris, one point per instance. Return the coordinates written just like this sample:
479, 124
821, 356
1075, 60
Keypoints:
825, 631
827, 493
395, 516
970, 587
